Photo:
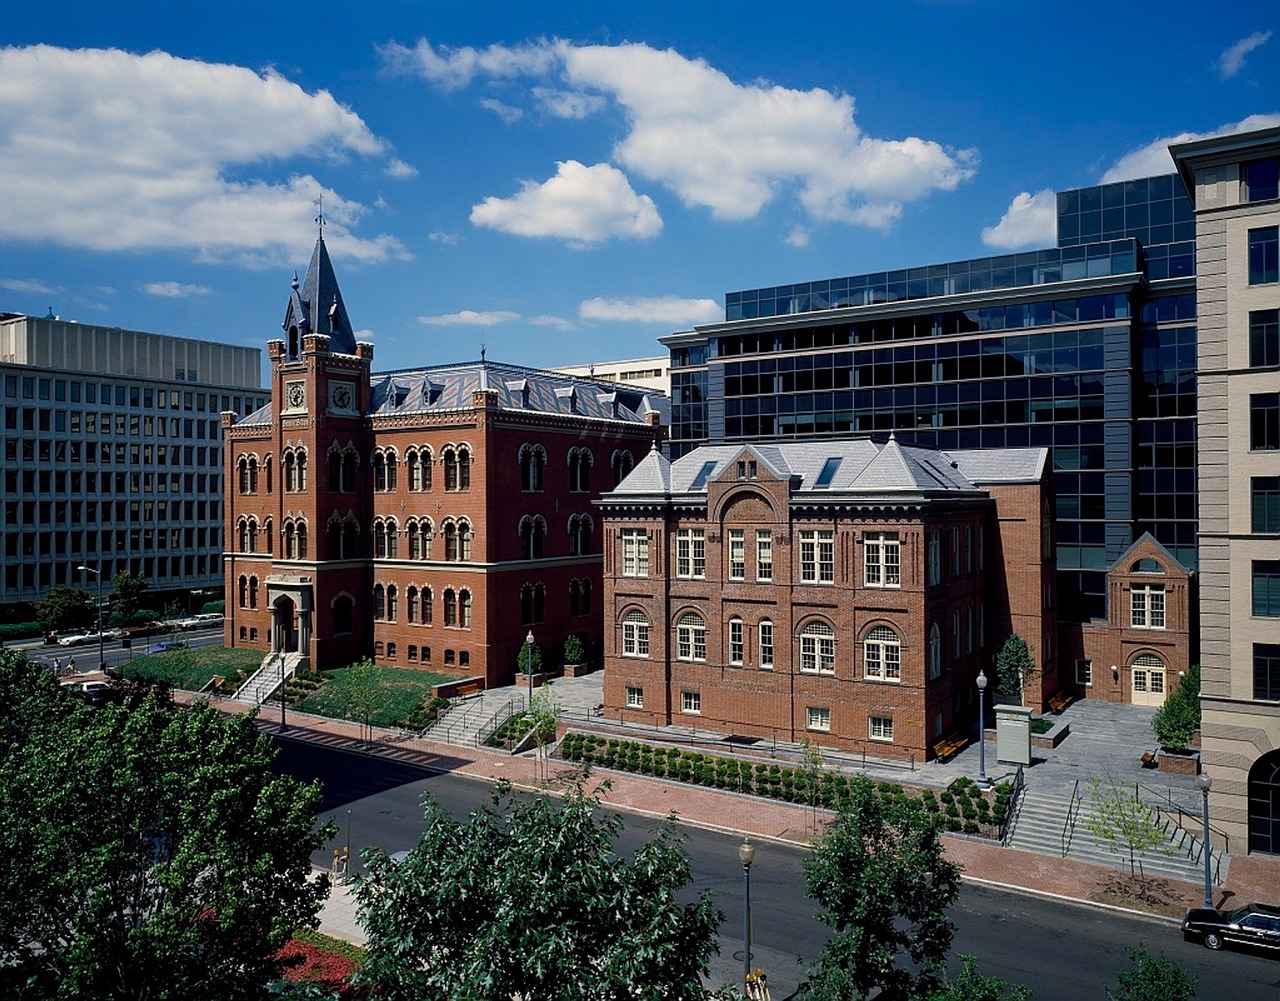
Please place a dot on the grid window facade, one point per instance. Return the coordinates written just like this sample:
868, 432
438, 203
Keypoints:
818, 649
882, 655
635, 552
691, 554
882, 560
817, 557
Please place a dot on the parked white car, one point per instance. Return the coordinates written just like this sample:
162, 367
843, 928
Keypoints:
76, 639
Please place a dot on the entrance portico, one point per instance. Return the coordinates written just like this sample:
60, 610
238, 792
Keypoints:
290, 599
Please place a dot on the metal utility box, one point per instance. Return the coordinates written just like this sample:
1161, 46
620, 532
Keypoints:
1013, 734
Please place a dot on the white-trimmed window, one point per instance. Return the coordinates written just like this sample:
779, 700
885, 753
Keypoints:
818, 649
635, 698
691, 702
955, 634
880, 728
882, 560
766, 644
737, 554
882, 655
818, 718
818, 557
935, 652
691, 553
635, 552
635, 634
737, 641
933, 562
764, 555
1084, 673
691, 638
1146, 605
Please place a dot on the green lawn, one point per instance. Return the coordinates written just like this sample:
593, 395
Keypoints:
407, 689
191, 669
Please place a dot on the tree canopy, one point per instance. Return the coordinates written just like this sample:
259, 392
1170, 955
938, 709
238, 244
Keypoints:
127, 590
1014, 667
64, 608
145, 852
527, 898
884, 886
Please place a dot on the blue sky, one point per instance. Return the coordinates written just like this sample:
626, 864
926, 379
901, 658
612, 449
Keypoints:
566, 182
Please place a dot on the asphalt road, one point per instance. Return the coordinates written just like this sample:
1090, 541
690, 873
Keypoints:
113, 652
1064, 952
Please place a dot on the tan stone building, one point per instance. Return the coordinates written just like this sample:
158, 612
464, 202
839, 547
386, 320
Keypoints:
1233, 185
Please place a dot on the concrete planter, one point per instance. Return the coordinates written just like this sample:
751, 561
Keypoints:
1179, 763
577, 670
1053, 738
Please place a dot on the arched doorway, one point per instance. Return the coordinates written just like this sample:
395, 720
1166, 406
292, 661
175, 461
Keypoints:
284, 624
1264, 805
1147, 680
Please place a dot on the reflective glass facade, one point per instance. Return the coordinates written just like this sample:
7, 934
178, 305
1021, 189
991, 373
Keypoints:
1088, 348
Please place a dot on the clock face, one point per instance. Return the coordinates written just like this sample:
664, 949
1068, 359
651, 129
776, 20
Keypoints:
340, 394
296, 395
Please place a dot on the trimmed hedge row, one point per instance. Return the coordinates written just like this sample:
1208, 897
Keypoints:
962, 807
20, 630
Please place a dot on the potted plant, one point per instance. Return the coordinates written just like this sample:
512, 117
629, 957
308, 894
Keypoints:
575, 656
1175, 725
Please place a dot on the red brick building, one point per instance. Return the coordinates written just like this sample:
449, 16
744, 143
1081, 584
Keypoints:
429, 518
844, 590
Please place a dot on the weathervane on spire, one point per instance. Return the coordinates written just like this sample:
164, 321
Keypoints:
319, 220
482, 352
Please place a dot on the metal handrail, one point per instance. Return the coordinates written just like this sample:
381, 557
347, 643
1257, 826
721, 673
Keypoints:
1069, 825
1177, 816
495, 722
1015, 805
456, 721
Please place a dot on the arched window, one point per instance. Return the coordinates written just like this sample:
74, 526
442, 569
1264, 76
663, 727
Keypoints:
334, 539
585, 595
295, 471
252, 534
580, 462
244, 591
935, 651
295, 540
342, 614
464, 608
393, 603
635, 634
420, 540
242, 467
532, 532
411, 605
691, 638
580, 528
426, 606
242, 534
532, 602
342, 470
266, 472
268, 536
623, 462
457, 468
253, 592
882, 655
464, 540
385, 539
818, 649
350, 539
384, 470
533, 461
450, 607
379, 602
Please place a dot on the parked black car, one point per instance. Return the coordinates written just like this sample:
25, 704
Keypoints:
1254, 924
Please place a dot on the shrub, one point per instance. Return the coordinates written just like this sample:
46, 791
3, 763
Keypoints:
574, 651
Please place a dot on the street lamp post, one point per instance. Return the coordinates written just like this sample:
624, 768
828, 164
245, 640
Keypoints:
982, 731
283, 725
747, 855
528, 663
1205, 781
102, 658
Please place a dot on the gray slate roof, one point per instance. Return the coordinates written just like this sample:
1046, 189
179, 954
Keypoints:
862, 468
318, 307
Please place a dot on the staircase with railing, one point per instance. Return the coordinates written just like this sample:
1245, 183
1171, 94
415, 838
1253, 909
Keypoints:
276, 669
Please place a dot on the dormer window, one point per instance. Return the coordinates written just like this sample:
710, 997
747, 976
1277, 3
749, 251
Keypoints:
747, 469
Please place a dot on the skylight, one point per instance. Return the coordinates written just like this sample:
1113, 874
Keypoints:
700, 480
828, 474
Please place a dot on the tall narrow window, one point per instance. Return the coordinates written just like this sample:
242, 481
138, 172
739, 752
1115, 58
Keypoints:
1264, 338
766, 644
817, 557
764, 555
882, 560
691, 553
737, 642
934, 558
635, 552
882, 655
1264, 255
691, 638
1266, 588
737, 554
818, 649
635, 634
1146, 606
1265, 503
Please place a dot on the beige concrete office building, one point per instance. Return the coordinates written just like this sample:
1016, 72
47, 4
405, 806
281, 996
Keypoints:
1233, 185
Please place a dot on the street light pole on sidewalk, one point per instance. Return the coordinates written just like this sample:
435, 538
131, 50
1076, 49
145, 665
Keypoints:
982, 731
528, 663
747, 855
1205, 781
102, 659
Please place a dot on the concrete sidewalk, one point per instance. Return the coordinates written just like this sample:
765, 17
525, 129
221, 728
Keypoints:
1249, 877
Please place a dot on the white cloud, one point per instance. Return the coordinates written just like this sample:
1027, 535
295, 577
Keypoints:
440, 236
727, 147
798, 237
584, 205
173, 290
470, 318
452, 68
1154, 158
556, 322
31, 286
364, 334
1232, 60
398, 169
107, 150
1029, 220
669, 310
507, 112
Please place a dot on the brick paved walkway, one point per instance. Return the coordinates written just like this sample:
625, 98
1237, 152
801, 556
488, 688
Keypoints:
1249, 877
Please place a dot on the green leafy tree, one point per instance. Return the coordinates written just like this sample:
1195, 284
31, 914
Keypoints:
64, 609
1123, 824
144, 852
527, 898
970, 985
1177, 721
127, 590
574, 650
1015, 667
529, 652
367, 694
1152, 978
811, 762
884, 885
545, 711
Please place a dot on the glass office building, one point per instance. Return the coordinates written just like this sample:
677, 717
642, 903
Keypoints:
1088, 348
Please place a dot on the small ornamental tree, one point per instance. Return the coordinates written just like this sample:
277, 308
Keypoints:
529, 652
1014, 668
527, 898
574, 651
1124, 825
367, 694
884, 885
1152, 978
1177, 721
